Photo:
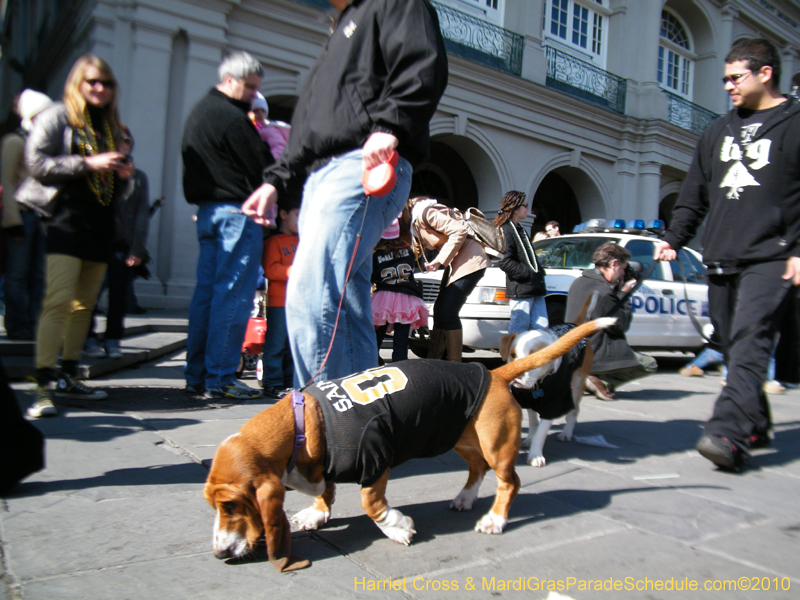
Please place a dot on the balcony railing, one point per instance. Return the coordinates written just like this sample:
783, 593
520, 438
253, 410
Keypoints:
687, 115
585, 81
480, 41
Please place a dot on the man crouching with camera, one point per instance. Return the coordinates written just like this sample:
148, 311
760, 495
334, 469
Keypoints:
615, 362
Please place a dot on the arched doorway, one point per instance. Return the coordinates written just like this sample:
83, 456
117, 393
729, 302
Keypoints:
555, 200
447, 177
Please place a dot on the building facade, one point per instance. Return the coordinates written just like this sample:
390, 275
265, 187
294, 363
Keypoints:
591, 107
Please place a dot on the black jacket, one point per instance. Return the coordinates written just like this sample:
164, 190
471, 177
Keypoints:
610, 346
753, 204
383, 69
521, 280
223, 155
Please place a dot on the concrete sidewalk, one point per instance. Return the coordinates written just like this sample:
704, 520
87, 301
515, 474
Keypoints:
119, 512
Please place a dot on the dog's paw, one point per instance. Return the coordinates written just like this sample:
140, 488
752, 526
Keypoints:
565, 436
526, 443
464, 500
536, 460
310, 518
396, 526
491, 523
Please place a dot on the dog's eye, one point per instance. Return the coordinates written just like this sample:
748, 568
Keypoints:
229, 507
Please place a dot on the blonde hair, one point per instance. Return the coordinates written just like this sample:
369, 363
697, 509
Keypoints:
76, 103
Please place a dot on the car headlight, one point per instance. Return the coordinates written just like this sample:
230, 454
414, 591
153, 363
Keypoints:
489, 295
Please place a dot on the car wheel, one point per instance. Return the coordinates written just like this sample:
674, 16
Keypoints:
556, 312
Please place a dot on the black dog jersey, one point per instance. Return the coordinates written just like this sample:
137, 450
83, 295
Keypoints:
552, 398
383, 417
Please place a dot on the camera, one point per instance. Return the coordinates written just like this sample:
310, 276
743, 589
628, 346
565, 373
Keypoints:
634, 270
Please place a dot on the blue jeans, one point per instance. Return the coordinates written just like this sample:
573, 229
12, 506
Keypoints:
708, 357
527, 314
277, 358
230, 252
333, 210
24, 280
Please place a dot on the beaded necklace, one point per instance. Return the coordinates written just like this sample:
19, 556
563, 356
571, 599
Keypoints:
101, 184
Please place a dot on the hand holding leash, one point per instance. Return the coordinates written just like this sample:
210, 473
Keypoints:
381, 179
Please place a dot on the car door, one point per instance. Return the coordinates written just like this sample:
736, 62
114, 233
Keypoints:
654, 303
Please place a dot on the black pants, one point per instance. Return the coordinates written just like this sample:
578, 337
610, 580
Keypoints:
452, 297
746, 309
399, 341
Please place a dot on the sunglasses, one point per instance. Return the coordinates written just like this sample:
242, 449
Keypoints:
735, 78
106, 83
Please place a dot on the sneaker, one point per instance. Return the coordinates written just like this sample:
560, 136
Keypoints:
720, 451
692, 371
68, 387
43, 407
234, 389
194, 389
276, 392
599, 389
112, 349
92, 348
773, 387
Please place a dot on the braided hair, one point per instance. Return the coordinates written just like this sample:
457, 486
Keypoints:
511, 201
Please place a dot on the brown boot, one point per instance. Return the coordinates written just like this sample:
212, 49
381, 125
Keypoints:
454, 346
436, 343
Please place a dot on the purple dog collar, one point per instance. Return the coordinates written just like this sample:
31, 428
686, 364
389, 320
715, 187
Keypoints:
298, 405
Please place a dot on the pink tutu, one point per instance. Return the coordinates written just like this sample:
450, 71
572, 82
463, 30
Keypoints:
393, 307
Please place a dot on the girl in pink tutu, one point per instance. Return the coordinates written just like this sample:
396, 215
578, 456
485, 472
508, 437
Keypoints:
397, 302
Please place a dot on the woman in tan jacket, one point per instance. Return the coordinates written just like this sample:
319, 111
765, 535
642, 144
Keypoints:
437, 227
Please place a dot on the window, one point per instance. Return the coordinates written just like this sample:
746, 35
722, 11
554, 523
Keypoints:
488, 10
675, 57
642, 252
579, 25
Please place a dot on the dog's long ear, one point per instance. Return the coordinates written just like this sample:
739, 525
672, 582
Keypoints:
506, 343
269, 495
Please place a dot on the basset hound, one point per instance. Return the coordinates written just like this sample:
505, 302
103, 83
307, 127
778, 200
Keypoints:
354, 430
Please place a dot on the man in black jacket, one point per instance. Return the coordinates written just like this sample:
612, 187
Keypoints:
746, 177
373, 90
223, 158
614, 362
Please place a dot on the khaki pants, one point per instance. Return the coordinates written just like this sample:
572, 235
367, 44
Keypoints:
72, 287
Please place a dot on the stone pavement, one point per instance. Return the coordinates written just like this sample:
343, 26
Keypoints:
119, 513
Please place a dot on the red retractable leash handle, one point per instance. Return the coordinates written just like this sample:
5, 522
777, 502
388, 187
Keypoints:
380, 179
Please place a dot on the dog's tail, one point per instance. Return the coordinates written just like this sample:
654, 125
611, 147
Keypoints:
588, 308
558, 348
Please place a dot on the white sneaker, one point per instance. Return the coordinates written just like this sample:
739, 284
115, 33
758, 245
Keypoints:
43, 407
234, 389
773, 387
112, 348
92, 348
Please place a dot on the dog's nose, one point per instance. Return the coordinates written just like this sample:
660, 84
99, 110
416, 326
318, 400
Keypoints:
223, 554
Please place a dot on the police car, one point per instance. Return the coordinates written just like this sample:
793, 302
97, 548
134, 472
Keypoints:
661, 318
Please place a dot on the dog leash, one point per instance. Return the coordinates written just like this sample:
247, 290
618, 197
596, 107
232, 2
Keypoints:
298, 406
344, 288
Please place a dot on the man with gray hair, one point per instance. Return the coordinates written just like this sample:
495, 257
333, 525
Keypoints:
223, 159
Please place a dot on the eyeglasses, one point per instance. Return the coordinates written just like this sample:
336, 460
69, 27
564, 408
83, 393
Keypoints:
126, 140
106, 83
735, 78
